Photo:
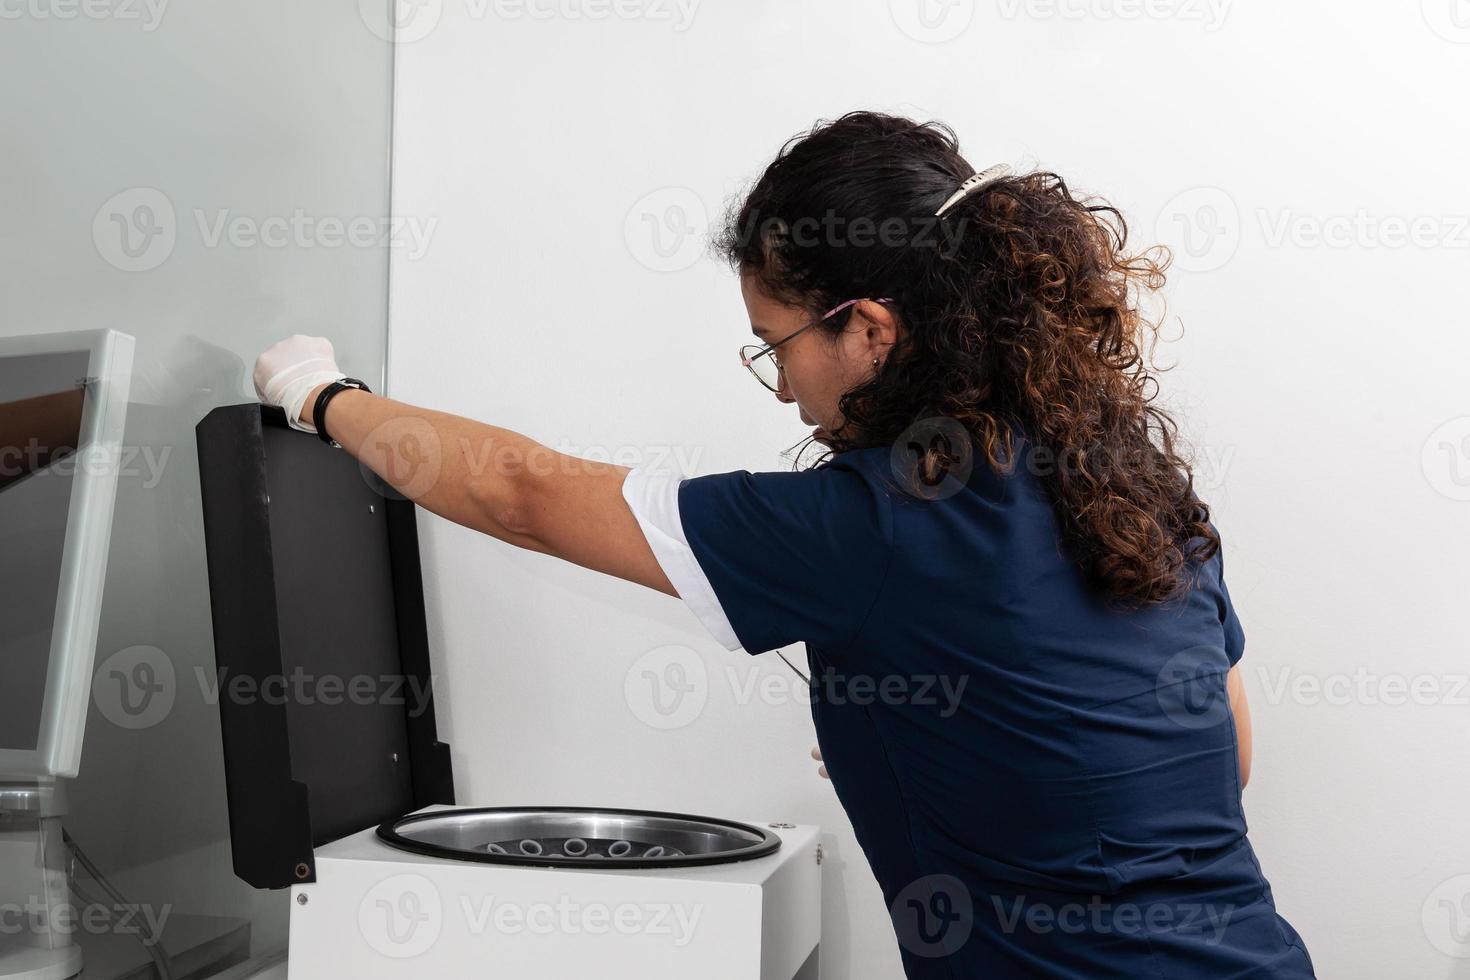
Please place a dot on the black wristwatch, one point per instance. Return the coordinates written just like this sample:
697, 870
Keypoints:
319, 410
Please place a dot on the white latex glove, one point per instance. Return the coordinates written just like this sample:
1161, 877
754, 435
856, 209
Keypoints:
821, 770
289, 369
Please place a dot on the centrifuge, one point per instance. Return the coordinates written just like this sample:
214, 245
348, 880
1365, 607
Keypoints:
348, 799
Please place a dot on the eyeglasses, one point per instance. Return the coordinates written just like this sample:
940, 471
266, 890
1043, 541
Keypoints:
761, 360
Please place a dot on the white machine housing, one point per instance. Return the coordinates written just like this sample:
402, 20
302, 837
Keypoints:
379, 913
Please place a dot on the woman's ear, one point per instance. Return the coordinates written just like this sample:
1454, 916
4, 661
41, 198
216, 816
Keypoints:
881, 326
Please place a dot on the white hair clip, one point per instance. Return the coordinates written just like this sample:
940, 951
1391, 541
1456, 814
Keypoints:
973, 185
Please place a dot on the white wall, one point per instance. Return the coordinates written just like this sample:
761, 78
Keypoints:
1316, 378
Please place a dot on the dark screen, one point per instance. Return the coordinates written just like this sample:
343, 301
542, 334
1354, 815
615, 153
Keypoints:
41, 400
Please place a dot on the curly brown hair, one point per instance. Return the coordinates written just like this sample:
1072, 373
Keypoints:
1022, 320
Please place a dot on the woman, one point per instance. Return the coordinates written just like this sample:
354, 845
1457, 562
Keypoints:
1021, 644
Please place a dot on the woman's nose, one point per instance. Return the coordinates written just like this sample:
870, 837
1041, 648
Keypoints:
783, 391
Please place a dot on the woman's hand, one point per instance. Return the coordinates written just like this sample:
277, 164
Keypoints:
290, 370
821, 770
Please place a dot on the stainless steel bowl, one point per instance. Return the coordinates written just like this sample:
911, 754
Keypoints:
578, 837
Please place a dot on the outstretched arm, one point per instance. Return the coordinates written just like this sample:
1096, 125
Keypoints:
480, 476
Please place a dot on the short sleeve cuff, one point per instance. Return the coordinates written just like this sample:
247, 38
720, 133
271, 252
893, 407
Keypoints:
654, 500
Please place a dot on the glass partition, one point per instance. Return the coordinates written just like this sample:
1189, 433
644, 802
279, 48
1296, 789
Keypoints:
207, 177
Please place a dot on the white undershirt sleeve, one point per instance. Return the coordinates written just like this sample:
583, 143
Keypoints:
654, 500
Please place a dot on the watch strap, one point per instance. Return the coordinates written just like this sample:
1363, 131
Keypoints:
319, 409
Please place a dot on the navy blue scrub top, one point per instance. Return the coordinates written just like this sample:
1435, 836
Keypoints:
1044, 786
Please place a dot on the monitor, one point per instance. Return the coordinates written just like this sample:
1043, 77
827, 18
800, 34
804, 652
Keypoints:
63, 399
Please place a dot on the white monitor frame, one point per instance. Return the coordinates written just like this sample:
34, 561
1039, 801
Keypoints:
78, 613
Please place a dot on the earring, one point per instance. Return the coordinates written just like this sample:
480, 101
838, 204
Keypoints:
875, 362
